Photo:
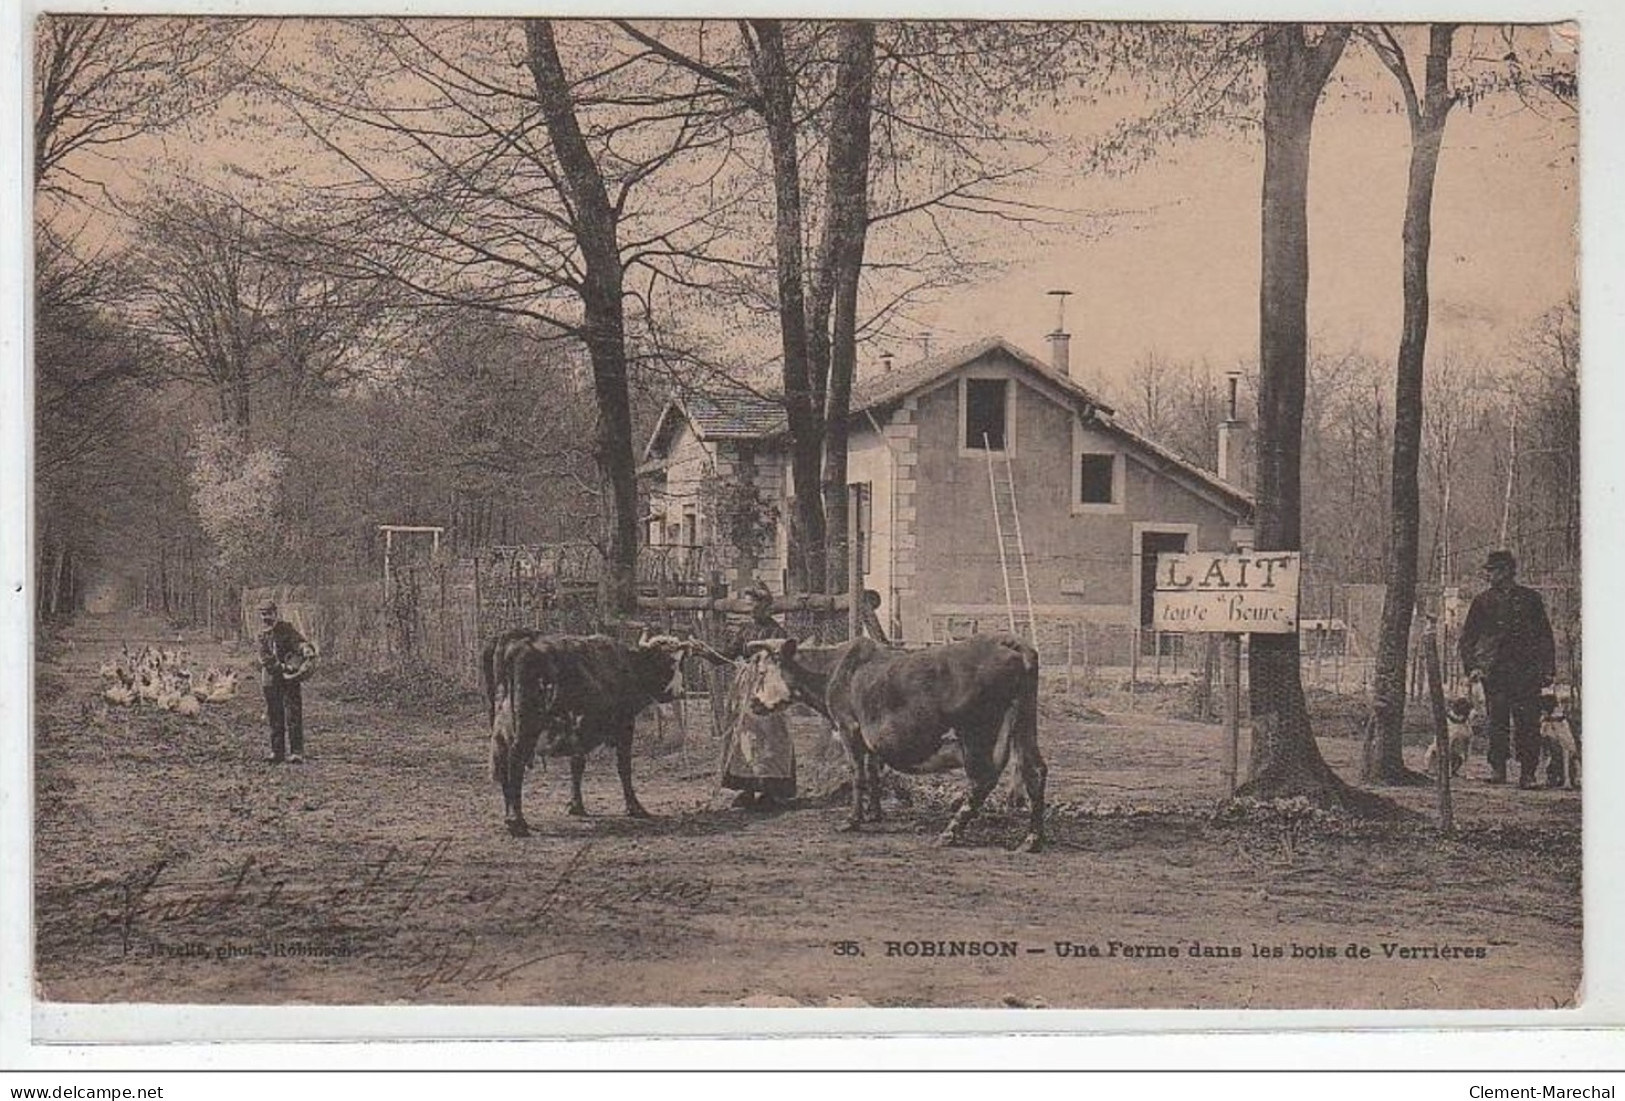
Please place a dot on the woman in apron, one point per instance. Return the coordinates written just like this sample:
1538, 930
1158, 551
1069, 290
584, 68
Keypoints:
758, 754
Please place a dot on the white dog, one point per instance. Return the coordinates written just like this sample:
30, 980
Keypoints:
1560, 737
1458, 724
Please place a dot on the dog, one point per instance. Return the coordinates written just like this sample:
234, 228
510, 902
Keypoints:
1559, 741
1459, 725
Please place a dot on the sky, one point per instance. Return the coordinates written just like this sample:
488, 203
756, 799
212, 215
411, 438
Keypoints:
1176, 275
1180, 279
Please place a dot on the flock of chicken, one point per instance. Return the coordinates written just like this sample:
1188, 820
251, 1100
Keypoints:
161, 677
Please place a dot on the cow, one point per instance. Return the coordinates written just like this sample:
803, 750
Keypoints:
581, 692
971, 704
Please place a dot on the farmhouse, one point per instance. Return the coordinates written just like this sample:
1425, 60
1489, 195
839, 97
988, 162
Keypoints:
990, 481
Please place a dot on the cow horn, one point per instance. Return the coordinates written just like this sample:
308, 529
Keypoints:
700, 648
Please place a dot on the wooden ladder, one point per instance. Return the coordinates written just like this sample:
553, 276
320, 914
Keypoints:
1012, 548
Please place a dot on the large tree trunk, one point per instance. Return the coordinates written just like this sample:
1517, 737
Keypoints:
776, 99
1286, 762
846, 227
1427, 118
604, 321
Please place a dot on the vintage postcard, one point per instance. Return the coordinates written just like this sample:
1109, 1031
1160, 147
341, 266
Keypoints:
786, 513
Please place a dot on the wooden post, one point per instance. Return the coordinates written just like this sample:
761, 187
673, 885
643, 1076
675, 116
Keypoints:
1232, 711
1210, 659
1134, 667
389, 546
1069, 661
1441, 734
479, 625
854, 574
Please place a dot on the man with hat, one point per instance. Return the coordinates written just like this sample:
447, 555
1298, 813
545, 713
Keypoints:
284, 656
1507, 647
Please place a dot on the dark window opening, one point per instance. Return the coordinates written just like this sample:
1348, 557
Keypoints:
985, 413
1096, 479
1153, 543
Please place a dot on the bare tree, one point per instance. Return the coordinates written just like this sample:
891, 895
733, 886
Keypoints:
1427, 109
1285, 760
900, 132
101, 81
91, 377
603, 327
205, 294
544, 199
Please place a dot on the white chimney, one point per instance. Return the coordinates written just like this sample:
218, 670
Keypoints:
1060, 341
1233, 433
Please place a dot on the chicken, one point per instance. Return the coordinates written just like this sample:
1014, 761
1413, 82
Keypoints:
169, 693
222, 686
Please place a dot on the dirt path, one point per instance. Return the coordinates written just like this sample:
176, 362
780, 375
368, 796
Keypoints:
172, 865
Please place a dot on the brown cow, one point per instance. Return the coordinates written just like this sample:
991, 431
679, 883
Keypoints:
581, 692
900, 707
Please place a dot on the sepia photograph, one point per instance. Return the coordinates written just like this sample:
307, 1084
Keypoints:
805, 513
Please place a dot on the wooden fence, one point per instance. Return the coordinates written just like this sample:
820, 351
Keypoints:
438, 615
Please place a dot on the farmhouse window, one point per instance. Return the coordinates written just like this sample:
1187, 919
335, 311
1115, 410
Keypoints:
691, 526
986, 413
1096, 479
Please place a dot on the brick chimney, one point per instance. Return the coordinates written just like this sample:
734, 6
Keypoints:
1233, 438
1060, 341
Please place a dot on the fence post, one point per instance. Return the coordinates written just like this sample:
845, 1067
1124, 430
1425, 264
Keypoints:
1210, 648
479, 617
1134, 666
1232, 711
1441, 735
854, 574
1069, 661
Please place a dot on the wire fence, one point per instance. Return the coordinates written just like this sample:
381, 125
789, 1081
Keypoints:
438, 615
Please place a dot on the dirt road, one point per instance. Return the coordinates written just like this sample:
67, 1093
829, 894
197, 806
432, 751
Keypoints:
173, 865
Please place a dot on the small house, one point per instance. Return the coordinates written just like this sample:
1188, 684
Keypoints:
994, 487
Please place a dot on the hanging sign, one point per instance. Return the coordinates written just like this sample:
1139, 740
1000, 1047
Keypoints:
1255, 592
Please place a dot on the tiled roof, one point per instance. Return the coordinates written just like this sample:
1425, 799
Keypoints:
1235, 494
740, 415
745, 415
894, 385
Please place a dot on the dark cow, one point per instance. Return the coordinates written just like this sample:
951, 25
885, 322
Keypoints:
581, 693
900, 708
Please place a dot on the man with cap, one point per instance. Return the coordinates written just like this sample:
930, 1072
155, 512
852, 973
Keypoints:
284, 654
1507, 647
